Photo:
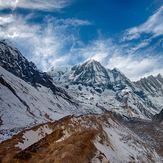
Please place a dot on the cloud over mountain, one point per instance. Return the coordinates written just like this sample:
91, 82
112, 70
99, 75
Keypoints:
53, 40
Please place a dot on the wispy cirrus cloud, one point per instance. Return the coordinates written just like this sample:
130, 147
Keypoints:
73, 22
43, 43
56, 41
47, 5
97, 50
153, 26
136, 67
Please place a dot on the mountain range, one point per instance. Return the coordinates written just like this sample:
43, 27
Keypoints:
85, 112
96, 85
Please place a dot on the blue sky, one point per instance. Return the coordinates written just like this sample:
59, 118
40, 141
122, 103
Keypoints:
127, 34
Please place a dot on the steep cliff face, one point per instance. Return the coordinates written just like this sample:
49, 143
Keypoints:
13, 61
153, 88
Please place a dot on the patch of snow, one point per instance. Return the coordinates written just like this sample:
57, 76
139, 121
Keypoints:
124, 147
66, 135
30, 137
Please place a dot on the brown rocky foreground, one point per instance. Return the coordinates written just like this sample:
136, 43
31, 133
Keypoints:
89, 138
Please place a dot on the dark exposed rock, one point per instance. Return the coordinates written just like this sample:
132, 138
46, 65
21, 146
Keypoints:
13, 61
152, 85
158, 117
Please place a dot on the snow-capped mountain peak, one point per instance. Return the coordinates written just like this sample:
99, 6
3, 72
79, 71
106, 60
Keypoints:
90, 73
91, 62
91, 80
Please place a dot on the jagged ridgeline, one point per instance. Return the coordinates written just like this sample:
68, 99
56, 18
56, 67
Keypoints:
100, 87
85, 112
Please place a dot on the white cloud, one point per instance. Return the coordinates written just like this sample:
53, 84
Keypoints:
134, 67
6, 19
133, 58
43, 44
73, 22
34, 4
97, 50
16, 27
154, 26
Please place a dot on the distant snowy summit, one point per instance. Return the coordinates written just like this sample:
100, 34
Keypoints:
93, 79
90, 73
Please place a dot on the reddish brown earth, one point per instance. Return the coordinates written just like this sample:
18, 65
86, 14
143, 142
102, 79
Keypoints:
72, 141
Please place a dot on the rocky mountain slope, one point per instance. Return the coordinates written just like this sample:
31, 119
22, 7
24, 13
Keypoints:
152, 85
153, 88
22, 104
97, 118
89, 138
13, 61
28, 96
107, 89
